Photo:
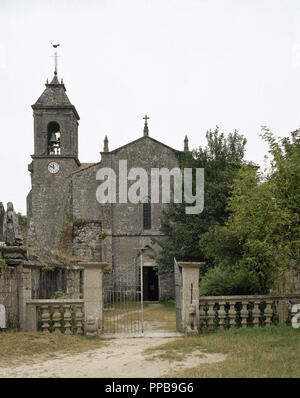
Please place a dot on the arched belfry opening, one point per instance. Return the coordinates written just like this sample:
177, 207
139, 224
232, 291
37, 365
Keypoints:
53, 139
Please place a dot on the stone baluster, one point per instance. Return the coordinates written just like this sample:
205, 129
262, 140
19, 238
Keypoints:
244, 314
232, 315
45, 318
79, 318
56, 318
256, 314
211, 315
67, 319
222, 314
202, 316
268, 313
282, 309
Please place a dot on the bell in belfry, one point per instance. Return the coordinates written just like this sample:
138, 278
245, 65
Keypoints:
53, 144
53, 141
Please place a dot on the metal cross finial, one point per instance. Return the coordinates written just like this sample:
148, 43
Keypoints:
146, 130
146, 118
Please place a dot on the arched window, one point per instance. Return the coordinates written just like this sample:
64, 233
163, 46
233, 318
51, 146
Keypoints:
147, 215
53, 139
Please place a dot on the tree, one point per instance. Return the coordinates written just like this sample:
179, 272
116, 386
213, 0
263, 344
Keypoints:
22, 219
221, 160
262, 233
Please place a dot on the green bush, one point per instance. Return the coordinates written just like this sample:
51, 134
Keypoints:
59, 294
22, 219
220, 281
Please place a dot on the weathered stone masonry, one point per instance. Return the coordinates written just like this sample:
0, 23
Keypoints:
113, 233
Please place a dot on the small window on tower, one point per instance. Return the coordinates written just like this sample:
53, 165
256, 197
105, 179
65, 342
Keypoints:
53, 136
147, 215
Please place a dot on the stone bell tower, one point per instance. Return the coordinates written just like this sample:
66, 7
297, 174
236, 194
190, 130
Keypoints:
55, 158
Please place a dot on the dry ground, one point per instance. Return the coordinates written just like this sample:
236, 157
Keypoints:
117, 358
271, 352
39, 355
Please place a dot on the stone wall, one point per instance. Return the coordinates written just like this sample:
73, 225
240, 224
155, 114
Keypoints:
21, 280
45, 283
48, 204
166, 287
86, 239
9, 294
123, 222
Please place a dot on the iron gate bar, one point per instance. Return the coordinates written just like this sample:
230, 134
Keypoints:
123, 303
142, 292
178, 295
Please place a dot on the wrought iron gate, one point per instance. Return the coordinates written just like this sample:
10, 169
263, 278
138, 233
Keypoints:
178, 295
123, 304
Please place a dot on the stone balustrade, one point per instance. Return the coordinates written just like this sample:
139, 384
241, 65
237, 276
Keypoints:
57, 316
224, 312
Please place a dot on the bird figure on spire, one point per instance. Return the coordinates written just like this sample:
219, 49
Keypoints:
55, 57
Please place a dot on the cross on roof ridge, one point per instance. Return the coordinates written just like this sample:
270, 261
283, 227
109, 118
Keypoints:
146, 129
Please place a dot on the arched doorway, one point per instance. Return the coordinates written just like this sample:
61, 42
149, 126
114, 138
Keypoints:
150, 277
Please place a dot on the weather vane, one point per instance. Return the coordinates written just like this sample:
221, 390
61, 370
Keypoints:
55, 58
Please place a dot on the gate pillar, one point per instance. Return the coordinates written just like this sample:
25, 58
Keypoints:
190, 296
93, 297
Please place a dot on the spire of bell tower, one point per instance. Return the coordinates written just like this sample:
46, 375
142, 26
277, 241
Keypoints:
56, 120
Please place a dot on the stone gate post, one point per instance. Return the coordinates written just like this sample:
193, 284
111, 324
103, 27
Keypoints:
190, 296
24, 294
93, 296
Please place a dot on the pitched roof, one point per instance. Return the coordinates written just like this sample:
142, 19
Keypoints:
142, 138
85, 165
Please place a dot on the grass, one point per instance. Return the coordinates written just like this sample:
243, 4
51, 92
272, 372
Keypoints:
264, 352
164, 315
126, 317
17, 346
267, 352
122, 317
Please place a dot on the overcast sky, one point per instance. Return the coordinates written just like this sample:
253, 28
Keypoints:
189, 64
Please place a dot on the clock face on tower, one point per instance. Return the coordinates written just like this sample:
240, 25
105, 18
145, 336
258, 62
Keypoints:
53, 167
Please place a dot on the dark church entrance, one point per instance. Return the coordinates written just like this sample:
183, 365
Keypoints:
150, 284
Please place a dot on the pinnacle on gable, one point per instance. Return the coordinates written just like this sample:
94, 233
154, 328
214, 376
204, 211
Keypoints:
146, 129
186, 143
105, 149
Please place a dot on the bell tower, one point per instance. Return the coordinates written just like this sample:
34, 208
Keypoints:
55, 122
55, 158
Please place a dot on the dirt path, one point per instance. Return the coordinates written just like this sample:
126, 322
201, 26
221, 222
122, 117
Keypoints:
121, 357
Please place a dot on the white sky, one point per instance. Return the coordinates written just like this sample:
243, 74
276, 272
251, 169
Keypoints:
189, 64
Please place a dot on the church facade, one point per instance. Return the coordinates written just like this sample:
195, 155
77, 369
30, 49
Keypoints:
63, 195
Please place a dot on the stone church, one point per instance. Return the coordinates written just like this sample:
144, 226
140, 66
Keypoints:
62, 201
